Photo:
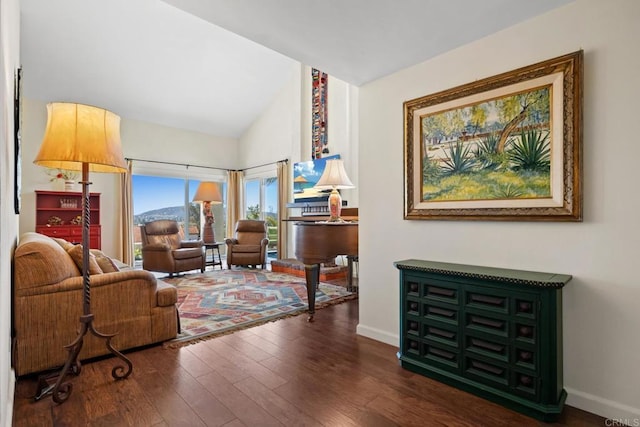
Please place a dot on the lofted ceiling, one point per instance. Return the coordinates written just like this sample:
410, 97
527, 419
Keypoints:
213, 66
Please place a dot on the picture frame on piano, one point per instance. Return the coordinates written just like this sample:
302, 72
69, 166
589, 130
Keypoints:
305, 176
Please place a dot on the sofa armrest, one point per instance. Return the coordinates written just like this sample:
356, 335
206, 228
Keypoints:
264, 242
106, 279
167, 294
231, 241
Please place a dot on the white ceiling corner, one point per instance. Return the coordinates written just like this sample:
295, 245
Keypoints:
213, 66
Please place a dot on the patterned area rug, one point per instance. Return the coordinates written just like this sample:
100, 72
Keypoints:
223, 301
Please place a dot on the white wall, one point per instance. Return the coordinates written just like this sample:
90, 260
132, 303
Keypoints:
601, 316
275, 135
140, 140
9, 61
143, 140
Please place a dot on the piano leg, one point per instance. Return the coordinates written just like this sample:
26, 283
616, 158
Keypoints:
350, 260
312, 275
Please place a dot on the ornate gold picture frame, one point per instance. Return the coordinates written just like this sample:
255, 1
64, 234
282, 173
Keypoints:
508, 147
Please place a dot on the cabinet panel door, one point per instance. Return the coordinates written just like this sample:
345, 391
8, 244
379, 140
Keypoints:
54, 231
95, 242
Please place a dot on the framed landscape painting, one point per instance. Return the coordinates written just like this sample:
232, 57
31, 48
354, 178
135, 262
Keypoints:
508, 147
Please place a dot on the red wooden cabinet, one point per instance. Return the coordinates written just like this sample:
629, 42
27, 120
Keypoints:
59, 214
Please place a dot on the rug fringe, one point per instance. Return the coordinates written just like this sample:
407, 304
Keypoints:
183, 342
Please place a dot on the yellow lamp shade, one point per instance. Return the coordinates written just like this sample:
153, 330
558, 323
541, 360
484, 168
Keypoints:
78, 134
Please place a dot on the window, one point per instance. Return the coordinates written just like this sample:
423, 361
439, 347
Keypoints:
160, 197
253, 196
261, 201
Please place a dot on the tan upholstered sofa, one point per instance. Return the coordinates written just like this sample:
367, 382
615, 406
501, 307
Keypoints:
48, 300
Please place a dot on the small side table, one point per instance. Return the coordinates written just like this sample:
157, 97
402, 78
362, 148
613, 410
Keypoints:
215, 247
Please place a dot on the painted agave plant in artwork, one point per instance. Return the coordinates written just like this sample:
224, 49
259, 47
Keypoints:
531, 151
458, 160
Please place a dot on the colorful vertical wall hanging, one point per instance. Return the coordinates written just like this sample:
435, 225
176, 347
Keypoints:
319, 114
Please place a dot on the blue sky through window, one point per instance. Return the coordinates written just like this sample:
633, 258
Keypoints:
154, 192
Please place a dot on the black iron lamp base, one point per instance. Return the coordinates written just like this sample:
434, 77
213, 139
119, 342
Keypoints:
61, 390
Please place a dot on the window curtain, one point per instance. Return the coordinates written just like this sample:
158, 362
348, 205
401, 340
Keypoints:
234, 200
126, 216
283, 212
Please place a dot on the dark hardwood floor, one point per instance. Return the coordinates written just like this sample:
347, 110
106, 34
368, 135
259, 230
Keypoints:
285, 373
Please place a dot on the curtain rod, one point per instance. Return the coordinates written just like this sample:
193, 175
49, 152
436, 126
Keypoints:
259, 166
176, 164
205, 167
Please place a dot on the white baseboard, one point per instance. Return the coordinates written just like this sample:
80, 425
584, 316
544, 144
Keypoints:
378, 335
622, 414
12, 392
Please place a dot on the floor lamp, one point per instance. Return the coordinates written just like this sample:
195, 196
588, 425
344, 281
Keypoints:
86, 138
207, 193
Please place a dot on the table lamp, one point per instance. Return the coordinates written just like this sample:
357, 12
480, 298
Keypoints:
207, 193
82, 138
334, 177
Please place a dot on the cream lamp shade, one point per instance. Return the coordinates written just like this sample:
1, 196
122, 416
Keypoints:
207, 192
77, 134
334, 177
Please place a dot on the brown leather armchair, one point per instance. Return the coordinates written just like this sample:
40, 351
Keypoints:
249, 247
164, 250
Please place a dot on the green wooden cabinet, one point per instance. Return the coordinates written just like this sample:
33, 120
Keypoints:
493, 332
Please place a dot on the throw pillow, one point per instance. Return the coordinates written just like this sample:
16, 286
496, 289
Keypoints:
76, 254
65, 244
106, 264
